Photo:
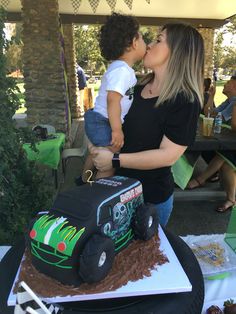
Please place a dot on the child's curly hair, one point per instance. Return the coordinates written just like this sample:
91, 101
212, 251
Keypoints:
117, 34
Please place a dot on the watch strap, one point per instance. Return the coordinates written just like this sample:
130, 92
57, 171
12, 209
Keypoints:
116, 161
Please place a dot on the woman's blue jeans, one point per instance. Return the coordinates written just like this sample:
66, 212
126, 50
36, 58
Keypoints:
164, 210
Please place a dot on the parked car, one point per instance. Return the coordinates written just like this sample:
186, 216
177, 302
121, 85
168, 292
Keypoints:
77, 239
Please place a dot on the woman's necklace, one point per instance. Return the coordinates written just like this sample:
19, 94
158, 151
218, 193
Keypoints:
151, 90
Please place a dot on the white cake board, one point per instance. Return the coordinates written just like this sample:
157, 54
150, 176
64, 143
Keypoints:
167, 278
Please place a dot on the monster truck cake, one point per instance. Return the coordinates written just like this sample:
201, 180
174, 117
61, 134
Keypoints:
77, 239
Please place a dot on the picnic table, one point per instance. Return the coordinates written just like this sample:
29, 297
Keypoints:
48, 152
226, 140
183, 169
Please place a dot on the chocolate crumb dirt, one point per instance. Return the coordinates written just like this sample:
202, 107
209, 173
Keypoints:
131, 264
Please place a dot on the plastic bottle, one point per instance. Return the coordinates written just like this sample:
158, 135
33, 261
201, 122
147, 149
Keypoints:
218, 123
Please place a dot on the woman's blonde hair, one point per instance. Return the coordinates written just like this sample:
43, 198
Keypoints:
185, 69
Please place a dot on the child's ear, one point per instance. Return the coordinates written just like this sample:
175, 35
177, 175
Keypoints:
135, 43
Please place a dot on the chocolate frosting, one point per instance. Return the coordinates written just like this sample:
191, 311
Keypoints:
131, 264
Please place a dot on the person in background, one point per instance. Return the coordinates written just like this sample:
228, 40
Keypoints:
82, 83
226, 107
123, 44
207, 87
162, 120
209, 90
225, 163
213, 160
215, 75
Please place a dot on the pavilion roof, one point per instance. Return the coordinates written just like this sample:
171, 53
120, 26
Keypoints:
206, 13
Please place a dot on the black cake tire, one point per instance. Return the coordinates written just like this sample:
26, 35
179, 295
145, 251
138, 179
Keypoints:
96, 259
178, 303
145, 222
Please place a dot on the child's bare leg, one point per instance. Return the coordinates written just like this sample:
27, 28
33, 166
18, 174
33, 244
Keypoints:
88, 165
103, 174
108, 173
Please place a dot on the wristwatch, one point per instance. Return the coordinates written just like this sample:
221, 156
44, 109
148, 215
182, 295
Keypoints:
116, 161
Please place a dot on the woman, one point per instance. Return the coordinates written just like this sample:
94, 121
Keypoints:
225, 163
208, 96
228, 172
162, 120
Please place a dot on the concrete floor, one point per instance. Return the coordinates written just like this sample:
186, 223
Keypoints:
197, 217
194, 211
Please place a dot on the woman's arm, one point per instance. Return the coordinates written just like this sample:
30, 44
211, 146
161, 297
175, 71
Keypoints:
165, 156
233, 120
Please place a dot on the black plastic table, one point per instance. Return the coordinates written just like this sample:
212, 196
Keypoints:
174, 303
226, 140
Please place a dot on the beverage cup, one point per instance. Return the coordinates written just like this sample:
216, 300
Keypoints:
207, 126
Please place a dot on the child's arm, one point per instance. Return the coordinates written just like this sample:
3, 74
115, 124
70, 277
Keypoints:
114, 115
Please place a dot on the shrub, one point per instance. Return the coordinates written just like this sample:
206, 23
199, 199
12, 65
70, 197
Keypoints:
23, 190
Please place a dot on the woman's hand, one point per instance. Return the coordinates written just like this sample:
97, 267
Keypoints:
102, 158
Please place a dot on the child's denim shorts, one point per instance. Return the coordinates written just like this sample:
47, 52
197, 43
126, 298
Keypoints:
97, 128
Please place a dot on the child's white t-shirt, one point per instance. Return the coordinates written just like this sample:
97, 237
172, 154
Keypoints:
120, 78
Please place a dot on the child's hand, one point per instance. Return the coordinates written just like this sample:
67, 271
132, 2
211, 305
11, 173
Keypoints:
117, 139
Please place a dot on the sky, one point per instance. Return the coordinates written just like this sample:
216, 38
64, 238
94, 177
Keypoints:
8, 30
229, 40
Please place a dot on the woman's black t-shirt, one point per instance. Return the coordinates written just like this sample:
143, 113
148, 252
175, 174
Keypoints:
144, 127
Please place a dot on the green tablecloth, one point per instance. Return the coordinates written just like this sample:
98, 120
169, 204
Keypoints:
49, 151
182, 170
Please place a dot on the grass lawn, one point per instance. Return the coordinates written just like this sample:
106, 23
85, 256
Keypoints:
219, 97
95, 88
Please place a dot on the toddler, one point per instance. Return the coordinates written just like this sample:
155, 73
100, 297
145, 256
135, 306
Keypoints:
122, 43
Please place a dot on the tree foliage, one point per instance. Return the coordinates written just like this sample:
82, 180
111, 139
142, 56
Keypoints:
218, 50
14, 50
23, 189
229, 59
149, 34
225, 57
231, 26
87, 48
